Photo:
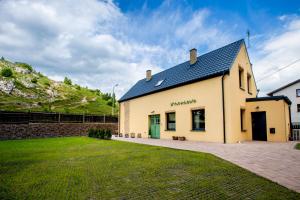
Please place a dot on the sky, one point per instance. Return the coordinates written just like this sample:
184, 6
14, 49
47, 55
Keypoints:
102, 43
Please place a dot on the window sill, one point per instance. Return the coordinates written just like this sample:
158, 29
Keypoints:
198, 130
171, 130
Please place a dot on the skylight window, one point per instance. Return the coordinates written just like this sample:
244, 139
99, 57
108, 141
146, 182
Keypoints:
159, 83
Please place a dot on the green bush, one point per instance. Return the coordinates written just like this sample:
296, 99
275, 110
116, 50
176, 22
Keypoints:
100, 133
108, 134
91, 132
6, 72
77, 87
34, 80
67, 81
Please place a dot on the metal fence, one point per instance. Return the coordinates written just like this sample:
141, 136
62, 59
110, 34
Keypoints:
295, 131
41, 117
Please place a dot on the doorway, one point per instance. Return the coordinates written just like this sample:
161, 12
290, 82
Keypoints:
259, 126
155, 126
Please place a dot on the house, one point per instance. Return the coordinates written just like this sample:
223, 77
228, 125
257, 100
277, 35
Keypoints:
292, 91
209, 98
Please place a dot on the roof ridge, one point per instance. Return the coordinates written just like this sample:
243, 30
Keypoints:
197, 57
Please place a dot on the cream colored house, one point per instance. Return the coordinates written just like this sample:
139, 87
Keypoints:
209, 98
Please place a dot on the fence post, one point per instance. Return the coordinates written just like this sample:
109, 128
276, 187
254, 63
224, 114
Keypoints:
83, 118
58, 117
29, 116
104, 119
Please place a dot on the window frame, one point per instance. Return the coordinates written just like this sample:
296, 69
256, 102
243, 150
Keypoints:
193, 118
297, 92
249, 82
167, 121
243, 119
241, 78
298, 107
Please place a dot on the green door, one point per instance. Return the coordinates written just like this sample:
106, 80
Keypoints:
155, 126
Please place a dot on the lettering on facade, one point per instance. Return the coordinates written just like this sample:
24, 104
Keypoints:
185, 102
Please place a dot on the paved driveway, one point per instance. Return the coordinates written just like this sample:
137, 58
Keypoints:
279, 162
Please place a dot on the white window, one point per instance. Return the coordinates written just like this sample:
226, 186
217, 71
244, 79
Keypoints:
298, 92
159, 83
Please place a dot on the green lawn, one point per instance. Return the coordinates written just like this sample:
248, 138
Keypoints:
86, 168
297, 146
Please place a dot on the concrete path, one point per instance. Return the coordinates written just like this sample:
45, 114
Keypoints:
279, 162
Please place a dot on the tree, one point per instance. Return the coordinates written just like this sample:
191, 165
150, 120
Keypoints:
106, 96
109, 102
2, 58
67, 81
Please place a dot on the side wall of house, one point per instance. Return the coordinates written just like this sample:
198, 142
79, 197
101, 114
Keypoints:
208, 96
277, 116
235, 97
290, 92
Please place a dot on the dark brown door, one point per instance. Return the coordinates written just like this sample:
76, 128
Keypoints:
259, 126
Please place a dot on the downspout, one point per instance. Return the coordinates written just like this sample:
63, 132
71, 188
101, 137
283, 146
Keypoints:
223, 107
285, 120
119, 120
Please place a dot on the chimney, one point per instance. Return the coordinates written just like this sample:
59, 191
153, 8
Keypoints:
193, 56
148, 75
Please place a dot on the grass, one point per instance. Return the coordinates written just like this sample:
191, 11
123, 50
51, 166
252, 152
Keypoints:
297, 146
86, 168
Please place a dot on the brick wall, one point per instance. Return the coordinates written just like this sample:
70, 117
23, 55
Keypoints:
39, 130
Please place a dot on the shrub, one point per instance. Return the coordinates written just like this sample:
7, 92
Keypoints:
6, 72
77, 87
107, 134
67, 81
98, 92
100, 133
34, 80
2, 58
91, 132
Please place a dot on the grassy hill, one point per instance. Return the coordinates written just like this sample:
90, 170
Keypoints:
24, 89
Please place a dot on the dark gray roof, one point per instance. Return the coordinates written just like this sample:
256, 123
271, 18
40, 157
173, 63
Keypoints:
283, 87
276, 98
212, 64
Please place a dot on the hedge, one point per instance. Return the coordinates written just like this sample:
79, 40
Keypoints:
100, 133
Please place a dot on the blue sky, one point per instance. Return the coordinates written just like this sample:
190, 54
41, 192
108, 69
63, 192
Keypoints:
101, 43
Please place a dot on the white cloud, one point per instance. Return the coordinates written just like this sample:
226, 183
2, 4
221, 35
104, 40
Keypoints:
97, 45
280, 49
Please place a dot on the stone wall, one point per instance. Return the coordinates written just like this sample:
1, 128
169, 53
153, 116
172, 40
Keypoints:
39, 130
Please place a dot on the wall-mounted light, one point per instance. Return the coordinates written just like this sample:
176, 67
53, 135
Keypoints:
257, 107
152, 111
